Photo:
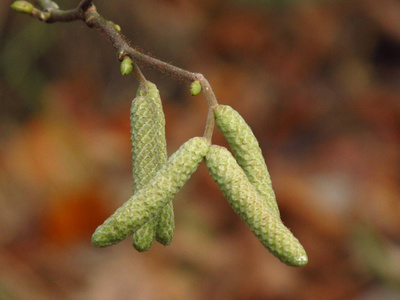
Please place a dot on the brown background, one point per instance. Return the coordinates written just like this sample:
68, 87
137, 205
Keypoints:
319, 83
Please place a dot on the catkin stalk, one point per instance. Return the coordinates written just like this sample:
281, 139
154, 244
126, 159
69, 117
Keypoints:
254, 211
148, 201
247, 152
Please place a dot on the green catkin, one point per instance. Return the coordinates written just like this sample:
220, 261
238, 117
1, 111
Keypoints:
149, 154
144, 161
144, 141
165, 225
251, 207
247, 152
146, 203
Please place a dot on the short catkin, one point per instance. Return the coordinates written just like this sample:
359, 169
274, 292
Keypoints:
247, 151
147, 202
251, 207
165, 224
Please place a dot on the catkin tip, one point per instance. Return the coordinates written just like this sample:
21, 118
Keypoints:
98, 240
299, 261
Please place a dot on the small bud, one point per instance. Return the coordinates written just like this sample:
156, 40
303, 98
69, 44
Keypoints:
116, 26
195, 88
22, 6
126, 66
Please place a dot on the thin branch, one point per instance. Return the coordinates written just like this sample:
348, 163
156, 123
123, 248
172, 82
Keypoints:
87, 12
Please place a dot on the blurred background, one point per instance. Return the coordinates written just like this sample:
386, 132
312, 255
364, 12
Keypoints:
318, 82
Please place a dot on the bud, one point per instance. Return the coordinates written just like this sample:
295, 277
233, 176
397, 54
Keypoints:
117, 27
22, 7
253, 210
126, 66
195, 88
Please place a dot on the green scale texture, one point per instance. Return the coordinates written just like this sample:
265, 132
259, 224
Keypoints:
248, 204
146, 203
165, 225
145, 160
247, 151
149, 154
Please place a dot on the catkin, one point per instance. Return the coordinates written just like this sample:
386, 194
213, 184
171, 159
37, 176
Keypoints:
165, 225
146, 203
145, 161
255, 212
144, 139
247, 152
149, 154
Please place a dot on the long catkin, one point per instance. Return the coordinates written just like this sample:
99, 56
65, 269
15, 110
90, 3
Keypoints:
148, 201
165, 222
145, 152
149, 154
254, 211
247, 152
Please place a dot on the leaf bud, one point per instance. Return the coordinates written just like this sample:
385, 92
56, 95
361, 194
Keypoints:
195, 88
126, 66
22, 7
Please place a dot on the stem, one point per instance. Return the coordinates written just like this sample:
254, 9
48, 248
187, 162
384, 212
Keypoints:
209, 130
140, 77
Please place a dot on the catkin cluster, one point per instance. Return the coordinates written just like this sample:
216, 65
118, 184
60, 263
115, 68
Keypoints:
146, 203
243, 179
245, 182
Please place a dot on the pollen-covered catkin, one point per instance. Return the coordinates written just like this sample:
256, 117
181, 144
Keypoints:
147, 202
164, 223
248, 204
247, 151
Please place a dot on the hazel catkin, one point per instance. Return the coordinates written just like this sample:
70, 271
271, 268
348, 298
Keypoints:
149, 154
145, 161
247, 151
254, 211
146, 203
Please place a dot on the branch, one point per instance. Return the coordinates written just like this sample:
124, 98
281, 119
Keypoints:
87, 12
